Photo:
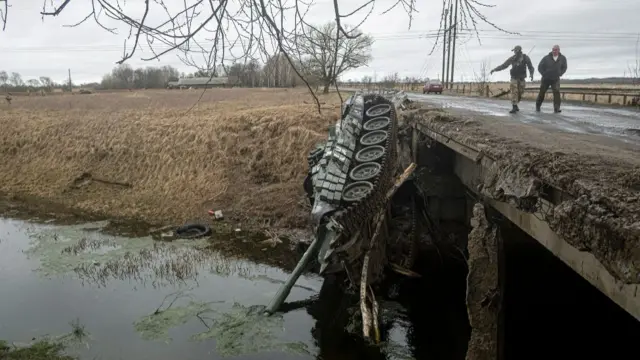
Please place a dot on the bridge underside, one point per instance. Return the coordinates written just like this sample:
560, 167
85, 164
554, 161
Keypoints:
478, 173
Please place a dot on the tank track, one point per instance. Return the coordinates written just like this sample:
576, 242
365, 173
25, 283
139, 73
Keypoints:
360, 154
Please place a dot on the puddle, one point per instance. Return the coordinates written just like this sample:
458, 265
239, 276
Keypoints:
138, 298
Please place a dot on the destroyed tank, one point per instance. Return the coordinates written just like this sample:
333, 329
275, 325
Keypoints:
349, 176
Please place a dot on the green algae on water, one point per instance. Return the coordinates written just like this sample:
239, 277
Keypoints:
237, 331
96, 257
40, 350
245, 330
47, 347
156, 326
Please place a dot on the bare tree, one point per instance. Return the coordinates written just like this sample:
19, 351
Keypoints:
47, 83
208, 33
15, 79
390, 80
34, 83
4, 77
633, 69
327, 55
366, 81
482, 77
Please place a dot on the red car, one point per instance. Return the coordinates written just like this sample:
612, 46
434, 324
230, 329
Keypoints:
432, 86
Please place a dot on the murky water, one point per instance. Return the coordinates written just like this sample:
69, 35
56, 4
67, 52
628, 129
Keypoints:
143, 299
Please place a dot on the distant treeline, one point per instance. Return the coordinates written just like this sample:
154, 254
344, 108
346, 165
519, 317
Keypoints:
277, 72
12, 81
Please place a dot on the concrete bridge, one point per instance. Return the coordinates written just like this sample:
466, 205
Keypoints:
569, 180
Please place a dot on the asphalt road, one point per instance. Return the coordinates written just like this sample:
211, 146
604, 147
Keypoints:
616, 122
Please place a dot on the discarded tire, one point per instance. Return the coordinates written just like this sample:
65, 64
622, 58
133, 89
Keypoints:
192, 231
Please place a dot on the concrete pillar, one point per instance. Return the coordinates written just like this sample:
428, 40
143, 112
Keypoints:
483, 287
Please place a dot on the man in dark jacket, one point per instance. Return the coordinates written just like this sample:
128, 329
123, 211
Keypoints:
519, 63
551, 67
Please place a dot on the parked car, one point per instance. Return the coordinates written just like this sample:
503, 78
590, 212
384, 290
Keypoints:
432, 86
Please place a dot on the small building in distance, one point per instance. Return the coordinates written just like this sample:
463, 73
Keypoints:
202, 82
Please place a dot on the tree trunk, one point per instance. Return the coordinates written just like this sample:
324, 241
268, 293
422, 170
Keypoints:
325, 90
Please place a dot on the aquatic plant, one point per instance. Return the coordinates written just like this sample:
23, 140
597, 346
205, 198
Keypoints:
239, 330
97, 258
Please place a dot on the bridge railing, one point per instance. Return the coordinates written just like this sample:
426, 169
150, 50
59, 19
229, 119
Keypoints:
629, 96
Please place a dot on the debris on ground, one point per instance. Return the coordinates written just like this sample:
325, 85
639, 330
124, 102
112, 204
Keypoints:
193, 231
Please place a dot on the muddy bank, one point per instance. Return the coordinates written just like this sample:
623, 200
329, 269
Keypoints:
601, 176
277, 247
146, 157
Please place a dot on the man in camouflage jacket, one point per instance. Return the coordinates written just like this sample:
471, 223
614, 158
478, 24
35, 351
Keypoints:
519, 63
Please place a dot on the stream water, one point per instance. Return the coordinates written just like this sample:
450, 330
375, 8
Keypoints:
138, 298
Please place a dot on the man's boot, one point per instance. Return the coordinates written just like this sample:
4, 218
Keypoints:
557, 111
514, 109
538, 107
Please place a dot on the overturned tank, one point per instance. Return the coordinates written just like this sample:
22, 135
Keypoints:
349, 176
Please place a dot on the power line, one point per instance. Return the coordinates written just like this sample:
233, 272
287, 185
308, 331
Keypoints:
404, 35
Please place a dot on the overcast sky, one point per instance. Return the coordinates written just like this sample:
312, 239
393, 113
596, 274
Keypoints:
598, 37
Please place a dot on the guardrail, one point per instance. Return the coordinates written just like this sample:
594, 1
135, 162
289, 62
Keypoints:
620, 96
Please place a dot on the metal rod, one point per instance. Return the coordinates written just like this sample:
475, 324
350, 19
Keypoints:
285, 289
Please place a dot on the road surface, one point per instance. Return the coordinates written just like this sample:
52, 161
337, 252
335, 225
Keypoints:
620, 123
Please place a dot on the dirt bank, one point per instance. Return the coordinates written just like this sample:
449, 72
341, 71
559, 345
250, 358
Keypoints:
138, 155
601, 174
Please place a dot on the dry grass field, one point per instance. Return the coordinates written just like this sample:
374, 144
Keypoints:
140, 155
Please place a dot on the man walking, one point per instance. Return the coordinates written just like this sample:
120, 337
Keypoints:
519, 63
551, 67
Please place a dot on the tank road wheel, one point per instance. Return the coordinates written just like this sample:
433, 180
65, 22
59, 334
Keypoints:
356, 191
379, 123
374, 138
370, 153
366, 171
378, 110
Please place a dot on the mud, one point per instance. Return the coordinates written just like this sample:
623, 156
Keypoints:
600, 175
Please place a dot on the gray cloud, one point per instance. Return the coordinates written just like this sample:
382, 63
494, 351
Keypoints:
597, 36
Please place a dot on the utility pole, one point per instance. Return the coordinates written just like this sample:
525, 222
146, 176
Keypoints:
444, 45
70, 86
447, 85
455, 33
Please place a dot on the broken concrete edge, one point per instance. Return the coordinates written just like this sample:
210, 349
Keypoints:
594, 219
483, 296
